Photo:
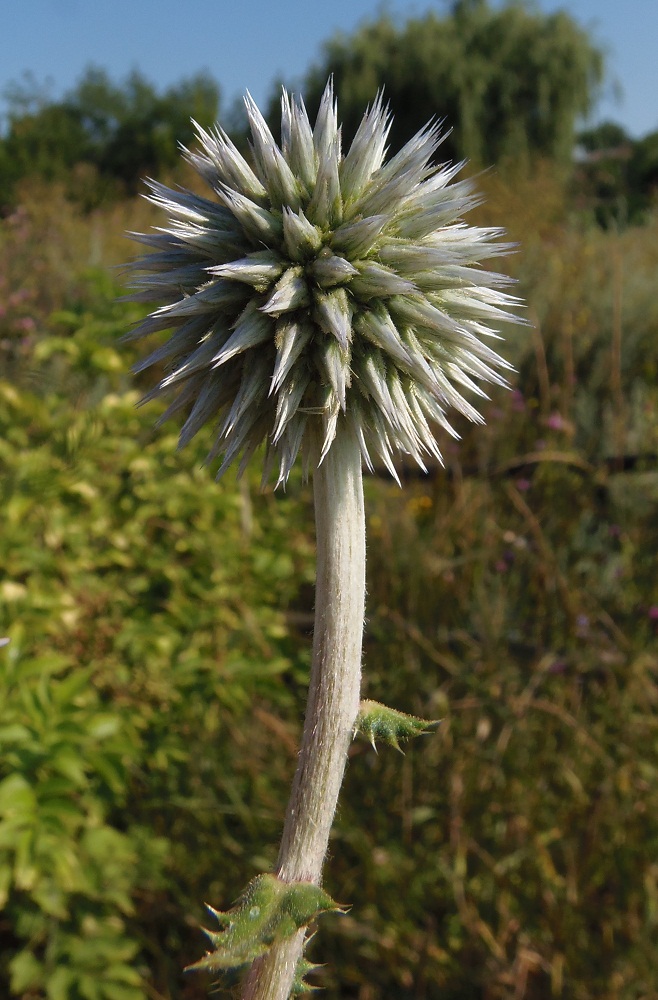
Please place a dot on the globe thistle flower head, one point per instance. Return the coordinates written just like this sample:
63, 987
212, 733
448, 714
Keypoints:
318, 294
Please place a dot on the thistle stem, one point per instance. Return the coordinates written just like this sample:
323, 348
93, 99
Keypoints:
333, 699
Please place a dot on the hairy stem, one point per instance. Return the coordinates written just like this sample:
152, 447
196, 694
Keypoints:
333, 699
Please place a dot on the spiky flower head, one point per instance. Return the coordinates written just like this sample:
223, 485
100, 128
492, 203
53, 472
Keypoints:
320, 294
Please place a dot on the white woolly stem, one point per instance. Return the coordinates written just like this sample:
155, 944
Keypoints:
333, 699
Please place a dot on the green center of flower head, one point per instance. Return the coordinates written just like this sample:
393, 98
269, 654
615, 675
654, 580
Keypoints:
321, 294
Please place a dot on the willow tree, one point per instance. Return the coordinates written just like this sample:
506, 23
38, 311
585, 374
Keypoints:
511, 81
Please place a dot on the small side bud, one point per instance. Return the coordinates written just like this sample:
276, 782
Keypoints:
377, 722
269, 910
302, 969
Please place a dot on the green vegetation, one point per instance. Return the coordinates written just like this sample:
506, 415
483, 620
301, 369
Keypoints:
269, 910
102, 138
153, 686
617, 176
515, 80
151, 693
511, 82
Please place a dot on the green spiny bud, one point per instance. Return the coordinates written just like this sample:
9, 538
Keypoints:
377, 722
303, 968
269, 910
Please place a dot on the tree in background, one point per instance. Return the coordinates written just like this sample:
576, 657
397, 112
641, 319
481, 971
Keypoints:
617, 176
134, 129
512, 82
121, 131
643, 172
40, 138
601, 176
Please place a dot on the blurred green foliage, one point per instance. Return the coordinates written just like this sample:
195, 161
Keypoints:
137, 654
153, 689
616, 176
103, 137
511, 80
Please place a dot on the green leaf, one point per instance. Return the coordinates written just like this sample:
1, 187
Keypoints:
269, 910
47, 665
14, 733
377, 722
102, 726
60, 983
26, 972
17, 797
69, 764
90, 987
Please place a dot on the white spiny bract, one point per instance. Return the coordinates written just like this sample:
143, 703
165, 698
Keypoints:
321, 294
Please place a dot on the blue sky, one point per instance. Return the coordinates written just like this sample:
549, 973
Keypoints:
247, 44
